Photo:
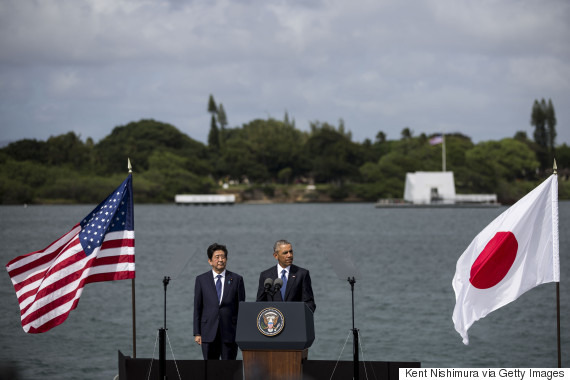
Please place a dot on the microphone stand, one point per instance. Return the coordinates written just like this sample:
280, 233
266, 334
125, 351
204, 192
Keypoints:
352, 281
271, 290
275, 290
162, 339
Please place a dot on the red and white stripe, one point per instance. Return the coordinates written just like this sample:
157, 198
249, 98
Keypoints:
49, 282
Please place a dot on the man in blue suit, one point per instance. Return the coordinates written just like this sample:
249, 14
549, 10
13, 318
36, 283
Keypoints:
296, 280
217, 295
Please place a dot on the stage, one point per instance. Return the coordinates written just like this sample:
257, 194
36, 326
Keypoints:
136, 369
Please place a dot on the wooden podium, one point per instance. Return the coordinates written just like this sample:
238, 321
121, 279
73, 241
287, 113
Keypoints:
274, 338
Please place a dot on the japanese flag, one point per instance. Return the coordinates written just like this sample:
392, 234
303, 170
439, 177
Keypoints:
513, 254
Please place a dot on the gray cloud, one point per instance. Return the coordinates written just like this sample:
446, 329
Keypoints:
456, 66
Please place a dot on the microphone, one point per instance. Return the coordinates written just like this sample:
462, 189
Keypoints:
278, 283
268, 284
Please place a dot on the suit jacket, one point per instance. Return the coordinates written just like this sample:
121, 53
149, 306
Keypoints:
299, 288
210, 315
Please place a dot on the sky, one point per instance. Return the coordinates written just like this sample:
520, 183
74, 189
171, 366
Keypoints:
454, 66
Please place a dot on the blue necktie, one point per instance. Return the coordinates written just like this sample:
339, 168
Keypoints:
283, 288
219, 287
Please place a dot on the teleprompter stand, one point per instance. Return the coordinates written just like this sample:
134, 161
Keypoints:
162, 339
352, 281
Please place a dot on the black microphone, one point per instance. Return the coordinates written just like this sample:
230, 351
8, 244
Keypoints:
278, 283
268, 284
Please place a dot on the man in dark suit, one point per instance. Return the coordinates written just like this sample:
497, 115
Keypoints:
296, 280
217, 295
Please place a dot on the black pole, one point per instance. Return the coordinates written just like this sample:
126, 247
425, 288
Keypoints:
356, 359
165, 281
162, 339
352, 281
162, 354
134, 318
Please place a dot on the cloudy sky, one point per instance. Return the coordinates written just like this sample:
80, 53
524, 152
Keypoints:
468, 66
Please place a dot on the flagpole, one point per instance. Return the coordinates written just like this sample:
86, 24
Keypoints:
443, 150
133, 290
555, 172
558, 323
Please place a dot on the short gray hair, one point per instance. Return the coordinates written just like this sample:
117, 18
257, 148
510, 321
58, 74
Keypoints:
279, 243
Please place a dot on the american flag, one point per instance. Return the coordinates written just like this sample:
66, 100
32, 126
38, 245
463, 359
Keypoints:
438, 139
101, 247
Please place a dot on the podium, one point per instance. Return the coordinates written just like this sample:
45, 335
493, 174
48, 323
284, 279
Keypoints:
274, 338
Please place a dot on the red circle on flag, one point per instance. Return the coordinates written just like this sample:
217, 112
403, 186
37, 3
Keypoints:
494, 262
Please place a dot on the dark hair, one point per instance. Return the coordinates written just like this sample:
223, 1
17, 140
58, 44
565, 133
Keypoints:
279, 243
216, 247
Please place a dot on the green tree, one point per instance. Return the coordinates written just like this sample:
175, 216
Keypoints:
138, 140
407, 133
543, 118
380, 137
27, 149
212, 108
563, 160
214, 135
167, 171
222, 117
335, 159
493, 161
550, 117
67, 149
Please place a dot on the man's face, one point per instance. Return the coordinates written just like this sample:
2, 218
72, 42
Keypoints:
284, 255
218, 261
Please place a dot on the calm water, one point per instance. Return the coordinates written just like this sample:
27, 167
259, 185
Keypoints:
403, 295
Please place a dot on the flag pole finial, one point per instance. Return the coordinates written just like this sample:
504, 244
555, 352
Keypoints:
129, 166
554, 168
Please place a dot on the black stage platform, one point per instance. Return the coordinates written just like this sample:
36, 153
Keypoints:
137, 369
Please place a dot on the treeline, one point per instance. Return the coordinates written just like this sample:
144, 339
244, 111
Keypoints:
268, 154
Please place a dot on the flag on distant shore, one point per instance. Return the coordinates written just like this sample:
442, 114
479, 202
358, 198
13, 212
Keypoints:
436, 140
101, 247
516, 252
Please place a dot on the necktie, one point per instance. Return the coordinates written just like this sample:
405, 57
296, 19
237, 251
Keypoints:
284, 278
219, 287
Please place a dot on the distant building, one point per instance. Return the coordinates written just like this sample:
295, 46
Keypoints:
433, 188
429, 187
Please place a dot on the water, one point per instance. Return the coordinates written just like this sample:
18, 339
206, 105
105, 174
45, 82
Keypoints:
403, 297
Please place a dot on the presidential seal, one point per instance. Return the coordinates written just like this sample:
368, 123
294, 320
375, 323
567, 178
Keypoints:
270, 321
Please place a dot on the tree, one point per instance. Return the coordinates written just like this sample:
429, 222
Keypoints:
550, 117
212, 108
138, 140
407, 133
521, 136
222, 118
334, 157
543, 118
493, 161
214, 135
380, 137
67, 149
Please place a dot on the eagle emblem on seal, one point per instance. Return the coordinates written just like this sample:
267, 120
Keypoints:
270, 321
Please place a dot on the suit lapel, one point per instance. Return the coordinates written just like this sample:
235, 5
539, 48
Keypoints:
291, 280
212, 285
228, 283
274, 274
